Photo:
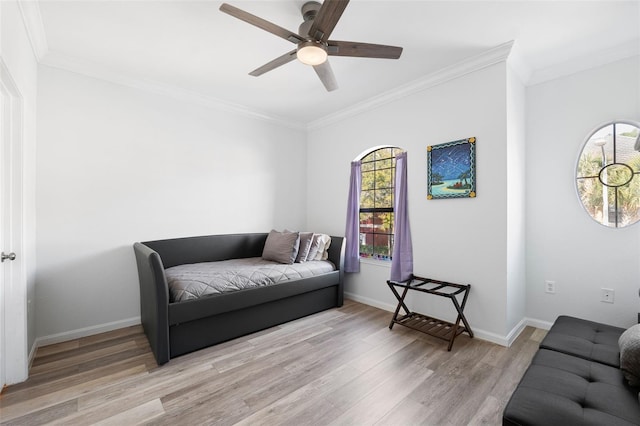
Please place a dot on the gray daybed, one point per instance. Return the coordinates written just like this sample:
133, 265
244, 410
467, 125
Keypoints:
176, 328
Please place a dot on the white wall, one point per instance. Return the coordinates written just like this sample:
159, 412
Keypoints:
117, 165
458, 240
563, 243
17, 56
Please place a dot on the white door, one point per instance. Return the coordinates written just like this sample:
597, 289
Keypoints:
13, 295
3, 217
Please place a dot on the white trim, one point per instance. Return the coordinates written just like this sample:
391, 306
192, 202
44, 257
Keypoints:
544, 325
491, 57
506, 341
102, 328
15, 291
32, 18
102, 72
579, 154
480, 334
30, 11
515, 332
369, 301
376, 262
490, 337
518, 64
95, 70
32, 353
370, 150
575, 65
86, 331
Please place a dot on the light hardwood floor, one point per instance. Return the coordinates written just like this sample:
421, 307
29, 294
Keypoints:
342, 366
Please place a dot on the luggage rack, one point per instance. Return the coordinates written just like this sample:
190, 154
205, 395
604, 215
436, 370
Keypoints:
426, 324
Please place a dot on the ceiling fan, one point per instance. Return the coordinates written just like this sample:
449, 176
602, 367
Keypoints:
312, 40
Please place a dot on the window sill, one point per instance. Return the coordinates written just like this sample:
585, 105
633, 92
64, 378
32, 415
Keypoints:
375, 262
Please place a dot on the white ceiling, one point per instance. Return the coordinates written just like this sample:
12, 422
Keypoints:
191, 46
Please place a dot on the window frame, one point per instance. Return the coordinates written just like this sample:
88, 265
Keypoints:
373, 256
614, 156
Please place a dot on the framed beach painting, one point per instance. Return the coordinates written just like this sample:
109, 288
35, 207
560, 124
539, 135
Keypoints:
451, 169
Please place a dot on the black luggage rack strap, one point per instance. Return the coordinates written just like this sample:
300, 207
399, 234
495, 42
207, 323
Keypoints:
426, 324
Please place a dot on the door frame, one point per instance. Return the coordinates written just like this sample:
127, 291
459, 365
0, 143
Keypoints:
16, 354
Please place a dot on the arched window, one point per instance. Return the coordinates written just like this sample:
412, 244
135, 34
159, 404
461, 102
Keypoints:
377, 203
608, 174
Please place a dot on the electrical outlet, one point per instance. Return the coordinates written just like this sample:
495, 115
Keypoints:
549, 286
607, 295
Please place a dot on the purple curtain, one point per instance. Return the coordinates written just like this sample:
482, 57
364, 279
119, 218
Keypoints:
352, 233
402, 261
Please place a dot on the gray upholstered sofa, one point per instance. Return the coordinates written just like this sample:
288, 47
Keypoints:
575, 379
176, 328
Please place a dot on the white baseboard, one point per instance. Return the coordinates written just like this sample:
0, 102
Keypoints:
526, 322
480, 334
102, 328
370, 302
515, 332
84, 332
544, 325
491, 337
32, 353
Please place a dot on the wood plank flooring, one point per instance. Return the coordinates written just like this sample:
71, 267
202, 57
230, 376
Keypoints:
339, 367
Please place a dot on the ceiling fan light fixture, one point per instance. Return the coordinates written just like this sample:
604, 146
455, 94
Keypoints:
312, 53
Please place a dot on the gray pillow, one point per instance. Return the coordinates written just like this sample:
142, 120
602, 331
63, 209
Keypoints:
630, 354
305, 244
281, 247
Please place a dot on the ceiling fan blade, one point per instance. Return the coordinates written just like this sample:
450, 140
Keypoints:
363, 50
327, 18
281, 60
260, 23
325, 73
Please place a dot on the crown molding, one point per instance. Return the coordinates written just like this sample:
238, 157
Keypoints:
519, 65
101, 72
583, 63
30, 11
32, 19
490, 57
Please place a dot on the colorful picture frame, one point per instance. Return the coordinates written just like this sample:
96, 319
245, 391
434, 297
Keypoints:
451, 169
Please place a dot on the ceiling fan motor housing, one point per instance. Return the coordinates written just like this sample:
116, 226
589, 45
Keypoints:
309, 11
